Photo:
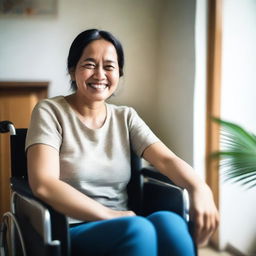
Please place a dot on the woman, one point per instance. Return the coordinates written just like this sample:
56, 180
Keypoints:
78, 150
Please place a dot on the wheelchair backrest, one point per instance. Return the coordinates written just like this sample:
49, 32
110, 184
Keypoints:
18, 155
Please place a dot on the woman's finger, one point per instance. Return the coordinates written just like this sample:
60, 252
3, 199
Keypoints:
209, 226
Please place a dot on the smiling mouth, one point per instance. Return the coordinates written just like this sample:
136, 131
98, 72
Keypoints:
97, 86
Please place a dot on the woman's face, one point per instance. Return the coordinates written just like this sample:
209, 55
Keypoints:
97, 71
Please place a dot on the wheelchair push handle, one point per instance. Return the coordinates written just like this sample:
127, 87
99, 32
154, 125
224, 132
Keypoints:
7, 126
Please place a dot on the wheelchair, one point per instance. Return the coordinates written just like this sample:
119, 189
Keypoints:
32, 227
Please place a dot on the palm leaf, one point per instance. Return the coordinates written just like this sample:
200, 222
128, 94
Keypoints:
238, 157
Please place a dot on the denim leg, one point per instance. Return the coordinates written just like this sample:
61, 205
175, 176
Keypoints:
173, 234
125, 236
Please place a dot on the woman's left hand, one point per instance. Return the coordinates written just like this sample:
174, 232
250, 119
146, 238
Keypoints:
204, 213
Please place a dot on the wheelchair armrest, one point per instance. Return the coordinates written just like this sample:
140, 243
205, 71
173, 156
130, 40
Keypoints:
160, 193
38, 218
21, 186
150, 171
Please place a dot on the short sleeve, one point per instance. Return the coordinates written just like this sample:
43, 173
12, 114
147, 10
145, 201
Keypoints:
44, 126
141, 136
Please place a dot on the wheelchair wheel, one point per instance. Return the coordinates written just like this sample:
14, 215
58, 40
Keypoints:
11, 240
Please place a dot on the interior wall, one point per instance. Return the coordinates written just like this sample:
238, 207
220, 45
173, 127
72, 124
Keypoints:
238, 205
158, 39
200, 86
36, 47
176, 74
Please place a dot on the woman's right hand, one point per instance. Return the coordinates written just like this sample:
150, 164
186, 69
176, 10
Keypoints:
116, 214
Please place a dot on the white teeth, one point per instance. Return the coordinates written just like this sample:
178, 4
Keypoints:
98, 86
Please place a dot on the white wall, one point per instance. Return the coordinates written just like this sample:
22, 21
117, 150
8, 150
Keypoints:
200, 86
238, 206
158, 38
36, 48
175, 85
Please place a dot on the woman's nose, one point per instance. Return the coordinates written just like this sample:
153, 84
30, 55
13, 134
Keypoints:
99, 73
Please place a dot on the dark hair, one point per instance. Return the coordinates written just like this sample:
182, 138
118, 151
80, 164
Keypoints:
85, 38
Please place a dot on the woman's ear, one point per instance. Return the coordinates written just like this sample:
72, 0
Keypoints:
72, 74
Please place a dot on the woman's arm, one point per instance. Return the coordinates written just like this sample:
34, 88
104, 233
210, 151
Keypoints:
203, 210
44, 172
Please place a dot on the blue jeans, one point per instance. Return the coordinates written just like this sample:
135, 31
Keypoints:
161, 233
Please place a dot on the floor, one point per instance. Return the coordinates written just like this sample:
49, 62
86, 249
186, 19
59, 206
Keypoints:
210, 252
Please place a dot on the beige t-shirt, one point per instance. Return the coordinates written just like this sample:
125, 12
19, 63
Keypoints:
94, 161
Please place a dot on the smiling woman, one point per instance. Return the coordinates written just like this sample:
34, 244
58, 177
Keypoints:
96, 73
84, 39
79, 149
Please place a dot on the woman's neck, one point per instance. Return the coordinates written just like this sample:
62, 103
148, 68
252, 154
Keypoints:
93, 115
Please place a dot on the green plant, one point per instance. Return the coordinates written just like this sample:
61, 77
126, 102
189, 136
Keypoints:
237, 154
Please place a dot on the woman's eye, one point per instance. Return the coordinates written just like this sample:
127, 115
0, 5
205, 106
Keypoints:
109, 67
89, 65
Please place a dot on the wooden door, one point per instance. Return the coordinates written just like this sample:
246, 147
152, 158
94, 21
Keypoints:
17, 99
213, 101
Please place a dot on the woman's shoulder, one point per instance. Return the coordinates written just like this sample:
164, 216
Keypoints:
127, 112
57, 100
57, 103
122, 109
122, 112
55, 106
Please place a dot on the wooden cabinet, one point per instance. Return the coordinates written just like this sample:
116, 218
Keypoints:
17, 99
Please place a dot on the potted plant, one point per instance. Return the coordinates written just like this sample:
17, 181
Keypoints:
237, 154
